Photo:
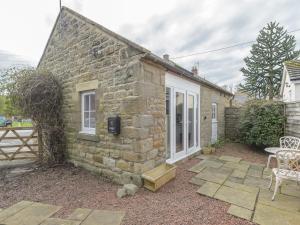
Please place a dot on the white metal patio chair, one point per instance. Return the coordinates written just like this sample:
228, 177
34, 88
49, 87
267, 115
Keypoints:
288, 162
286, 142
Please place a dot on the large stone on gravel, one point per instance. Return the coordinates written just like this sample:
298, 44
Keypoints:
209, 189
121, 193
237, 197
130, 189
240, 212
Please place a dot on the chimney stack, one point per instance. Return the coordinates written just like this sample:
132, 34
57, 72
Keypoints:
195, 71
166, 57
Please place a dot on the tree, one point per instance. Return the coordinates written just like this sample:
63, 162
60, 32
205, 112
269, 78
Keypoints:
263, 70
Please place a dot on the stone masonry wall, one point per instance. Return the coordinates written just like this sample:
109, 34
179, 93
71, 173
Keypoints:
83, 56
232, 118
292, 112
209, 96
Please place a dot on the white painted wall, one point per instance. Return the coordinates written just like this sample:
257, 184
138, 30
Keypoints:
297, 91
289, 89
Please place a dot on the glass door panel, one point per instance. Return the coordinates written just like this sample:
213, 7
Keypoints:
191, 121
168, 121
179, 121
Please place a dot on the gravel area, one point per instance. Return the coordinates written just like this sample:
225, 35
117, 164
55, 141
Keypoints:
176, 203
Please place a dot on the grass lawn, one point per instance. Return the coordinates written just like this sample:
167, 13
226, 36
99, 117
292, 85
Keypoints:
22, 124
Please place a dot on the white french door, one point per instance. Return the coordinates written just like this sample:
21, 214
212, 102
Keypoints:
182, 123
191, 121
214, 123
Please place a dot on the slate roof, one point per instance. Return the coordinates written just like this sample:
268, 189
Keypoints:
293, 68
168, 64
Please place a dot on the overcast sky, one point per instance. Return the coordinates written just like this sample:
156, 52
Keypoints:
176, 27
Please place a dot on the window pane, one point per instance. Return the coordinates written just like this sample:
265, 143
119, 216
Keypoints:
86, 120
179, 122
197, 121
92, 99
86, 103
92, 119
168, 121
191, 121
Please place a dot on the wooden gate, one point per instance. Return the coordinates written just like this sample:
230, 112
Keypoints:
18, 143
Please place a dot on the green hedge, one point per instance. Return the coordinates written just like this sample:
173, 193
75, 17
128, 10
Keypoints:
262, 123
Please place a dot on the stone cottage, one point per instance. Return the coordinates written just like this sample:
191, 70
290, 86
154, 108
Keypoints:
165, 112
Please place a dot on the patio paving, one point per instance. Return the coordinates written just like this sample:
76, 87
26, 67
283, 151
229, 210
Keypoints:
245, 186
34, 213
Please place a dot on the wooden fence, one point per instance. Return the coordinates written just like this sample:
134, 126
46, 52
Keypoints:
292, 112
18, 143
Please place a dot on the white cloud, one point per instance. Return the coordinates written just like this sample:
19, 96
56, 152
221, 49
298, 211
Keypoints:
177, 27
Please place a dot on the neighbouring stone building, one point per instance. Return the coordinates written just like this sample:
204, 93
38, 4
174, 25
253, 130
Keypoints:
166, 112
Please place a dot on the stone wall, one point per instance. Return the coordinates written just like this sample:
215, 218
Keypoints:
83, 56
292, 112
207, 97
232, 118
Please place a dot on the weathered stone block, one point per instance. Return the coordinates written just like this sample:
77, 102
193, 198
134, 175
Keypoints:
109, 162
123, 165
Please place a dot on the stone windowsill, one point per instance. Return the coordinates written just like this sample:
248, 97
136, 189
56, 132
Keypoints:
88, 137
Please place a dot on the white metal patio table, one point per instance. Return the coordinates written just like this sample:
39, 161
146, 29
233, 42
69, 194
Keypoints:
273, 151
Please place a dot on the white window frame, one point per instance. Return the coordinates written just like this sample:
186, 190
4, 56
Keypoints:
214, 112
87, 130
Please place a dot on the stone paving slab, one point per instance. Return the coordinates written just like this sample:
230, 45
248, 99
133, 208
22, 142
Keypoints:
253, 164
267, 215
257, 182
5, 213
254, 173
197, 181
212, 175
79, 214
242, 187
208, 189
33, 214
245, 186
205, 163
236, 165
266, 173
235, 180
230, 158
240, 212
203, 157
104, 217
56, 221
237, 197
291, 190
283, 202
239, 173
